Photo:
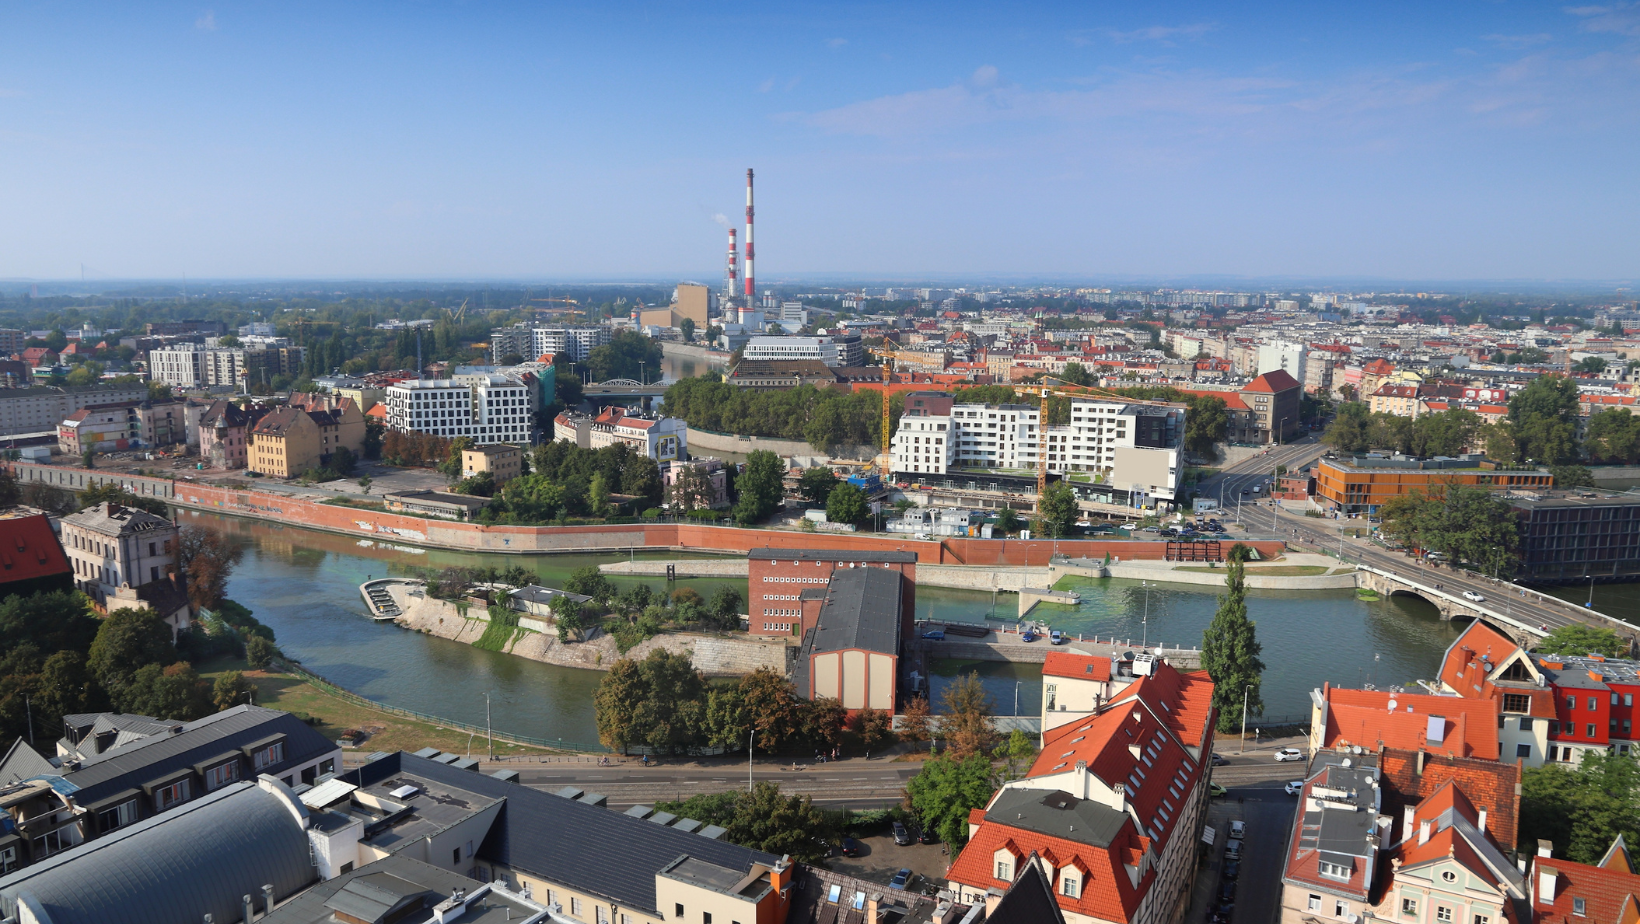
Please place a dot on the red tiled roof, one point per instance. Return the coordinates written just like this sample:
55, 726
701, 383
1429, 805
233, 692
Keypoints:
1461, 670
1608, 893
1468, 726
1076, 665
1107, 891
1378, 367
1278, 380
1487, 784
29, 549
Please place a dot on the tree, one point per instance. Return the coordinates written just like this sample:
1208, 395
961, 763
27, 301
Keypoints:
342, 461
1007, 522
1572, 476
946, 789
728, 725
657, 702
158, 391
1057, 509
691, 489
451, 466
872, 727
173, 692
364, 483
725, 608
762, 819
86, 373
1543, 419
128, 640
479, 485
88, 458
65, 688
588, 581
533, 498
1351, 429
627, 355
1076, 374
688, 328
1230, 652
965, 721
208, 558
759, 486
566, 615
847, 504
1462, 522
232, 689
1613, 435
1581, 811
1590, 364
1579, 640
1017, 751
816, 484
109, 492
598, 495
259, 653
773, 708
914, 721
373, 432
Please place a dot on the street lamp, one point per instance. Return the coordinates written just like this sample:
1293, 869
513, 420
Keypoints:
751, 736
1242, 749
640, 372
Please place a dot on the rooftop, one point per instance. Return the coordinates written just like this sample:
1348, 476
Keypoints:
396, 887
861, 610
1059, 814
117, 520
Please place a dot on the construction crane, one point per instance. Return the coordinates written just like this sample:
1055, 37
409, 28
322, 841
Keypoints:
1062, 391
885, 462
455, 316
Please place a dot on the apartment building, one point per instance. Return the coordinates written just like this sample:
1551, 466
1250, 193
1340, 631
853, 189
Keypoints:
575, 342
840, 350
502, 461
193, 365
486, 408
778, 579
663, 439
41, 409
1076, 685
111, 546
224, 433
1112, 810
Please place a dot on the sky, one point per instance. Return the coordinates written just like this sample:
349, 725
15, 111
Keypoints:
1097, 141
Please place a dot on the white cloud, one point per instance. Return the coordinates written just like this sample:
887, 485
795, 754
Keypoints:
984, 76
206, 21
1518, 41
1619, 18
1165, 34
766, 85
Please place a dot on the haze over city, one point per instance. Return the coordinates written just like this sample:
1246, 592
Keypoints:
1469, 141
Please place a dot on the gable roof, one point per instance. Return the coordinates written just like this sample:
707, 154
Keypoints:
1030, 900
1408, 777
1274, 381
1464, 667
280, 422
29, 549
1438, 724
1075, 664
1608, 893
23, 762
861, 610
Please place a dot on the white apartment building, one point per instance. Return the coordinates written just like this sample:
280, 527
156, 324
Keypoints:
576, 342
40, 409
843, 350
1136, 449
1284, 355
487, 408
190, 365
180, 365
664, 439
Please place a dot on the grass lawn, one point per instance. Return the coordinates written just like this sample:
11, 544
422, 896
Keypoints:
388, 732
1273, 570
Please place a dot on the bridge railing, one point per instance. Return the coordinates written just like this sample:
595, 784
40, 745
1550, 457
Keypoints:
1508, 618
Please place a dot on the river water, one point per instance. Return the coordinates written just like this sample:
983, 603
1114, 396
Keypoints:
304, 584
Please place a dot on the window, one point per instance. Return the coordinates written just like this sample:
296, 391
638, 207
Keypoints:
1482, 919
268, 756
1579, 907
221, 775
170, 795
53, 842
1409, 906
1443, 914
455, 857
1449, 876
117, 817
328, 766
706, 917
601, 913
1068, 886
1004, 870
1590, 729
8, 860
1523, 751
1341, 909
1571, 702
677, 911
574, 906
1315, 902
1334, 871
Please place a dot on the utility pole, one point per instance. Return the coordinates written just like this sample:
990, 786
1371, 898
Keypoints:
29, 708
751, 738
487, 735
1144, 639
1242, 749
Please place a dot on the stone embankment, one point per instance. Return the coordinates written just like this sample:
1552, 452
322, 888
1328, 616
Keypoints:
538, 640
1335, 577
962, 577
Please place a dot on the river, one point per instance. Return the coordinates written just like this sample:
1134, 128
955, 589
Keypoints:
304, 584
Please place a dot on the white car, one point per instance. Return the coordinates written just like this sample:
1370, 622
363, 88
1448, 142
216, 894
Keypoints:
1289, 754
1471, 595
1238, 830
1295, 787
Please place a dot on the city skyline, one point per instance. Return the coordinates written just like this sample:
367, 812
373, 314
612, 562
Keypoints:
1190, 142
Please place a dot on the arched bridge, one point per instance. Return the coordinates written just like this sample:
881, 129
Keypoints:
1511, 607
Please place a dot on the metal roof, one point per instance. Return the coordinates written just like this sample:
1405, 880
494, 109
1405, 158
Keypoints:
196, 859
862, 610
370, 892
1058, 814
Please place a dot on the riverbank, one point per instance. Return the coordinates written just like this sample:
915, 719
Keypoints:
534, 639
1293, 571
956, 577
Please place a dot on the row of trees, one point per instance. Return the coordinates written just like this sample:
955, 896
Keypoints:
1446, 433
563, 480
826, 417
1463, 523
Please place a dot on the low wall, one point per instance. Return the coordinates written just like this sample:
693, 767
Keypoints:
964, 577
708, 441
79, 479
1255, 581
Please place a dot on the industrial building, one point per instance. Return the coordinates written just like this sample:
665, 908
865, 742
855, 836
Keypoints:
777, 579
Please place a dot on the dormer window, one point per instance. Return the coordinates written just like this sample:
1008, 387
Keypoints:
1336, 871
1069, 885
1005, 870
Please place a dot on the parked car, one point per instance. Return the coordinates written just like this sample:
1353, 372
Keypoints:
1471, 595
901, 835
1289, 754
1232, 870
900, 879
937, 635
1029, 636
1227, 891
1295, 787
1057, 637
850, 847
1214, 916
1232, 850
1238, 830
926, 835
1217, 791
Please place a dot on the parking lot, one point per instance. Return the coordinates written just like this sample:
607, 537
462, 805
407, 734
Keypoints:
881, 858
1256, 798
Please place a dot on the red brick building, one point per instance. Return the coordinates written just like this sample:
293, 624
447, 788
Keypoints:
776, 580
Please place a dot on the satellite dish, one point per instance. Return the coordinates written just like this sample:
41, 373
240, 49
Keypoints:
1352, 918
1392, 705
1346, 763
1355, 749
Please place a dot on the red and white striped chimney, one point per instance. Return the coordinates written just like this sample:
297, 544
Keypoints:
751, 285
731, 278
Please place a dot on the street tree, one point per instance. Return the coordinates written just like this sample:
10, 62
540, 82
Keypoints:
1230, 652
208, 558
1583, 810
914, 721
1018, 751
1057, 509
816, 484
759, 486
1578, 640
847, 504
657, 702
965, 720
946, 789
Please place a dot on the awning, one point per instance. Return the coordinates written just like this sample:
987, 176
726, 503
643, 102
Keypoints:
1209, 835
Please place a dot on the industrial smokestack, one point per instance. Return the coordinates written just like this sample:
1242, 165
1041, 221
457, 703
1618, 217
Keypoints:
732, 276
751, 284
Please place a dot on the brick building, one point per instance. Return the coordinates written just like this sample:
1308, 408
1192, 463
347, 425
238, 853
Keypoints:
778, 577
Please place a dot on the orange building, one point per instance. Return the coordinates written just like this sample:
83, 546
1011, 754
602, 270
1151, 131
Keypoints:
1363, 485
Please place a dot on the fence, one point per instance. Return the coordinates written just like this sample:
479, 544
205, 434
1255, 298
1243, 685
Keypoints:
354, 698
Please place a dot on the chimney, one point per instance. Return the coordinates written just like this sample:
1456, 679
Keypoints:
1546, 886
250, 908
1546, 848
1407, 815
267, 900
1423, 831
993, 897
1480, 820
1420, 770
751, 284
871, 907
780, 875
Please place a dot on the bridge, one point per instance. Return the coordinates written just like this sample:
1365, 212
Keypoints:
623, 391
1518, 610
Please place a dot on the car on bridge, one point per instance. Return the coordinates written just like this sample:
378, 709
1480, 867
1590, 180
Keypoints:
1471, 595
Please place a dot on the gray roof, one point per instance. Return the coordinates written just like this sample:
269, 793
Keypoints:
832, 555
370, 891
153, 757
23, 762
862, 610
530, 835
1059, 814
196, 859
117, 520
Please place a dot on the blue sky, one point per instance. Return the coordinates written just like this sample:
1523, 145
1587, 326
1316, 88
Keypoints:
1416, 141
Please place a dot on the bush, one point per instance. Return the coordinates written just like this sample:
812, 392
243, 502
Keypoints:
259, 652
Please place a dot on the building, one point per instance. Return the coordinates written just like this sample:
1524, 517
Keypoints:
1076, 685
38, 563
1273, 398
1375, 719
1362, 484
577, 343
1113, 807
839, 350
440, 504
40, 409
485, 408
517, 340
1564, 892
1281, 355
397, 887
122, 425
1577, 535
284, 444
1551, 707
852, 652
711, 489
340, 420
776, 579
502, 461
663, 439
785, 373
110, 546
224, 433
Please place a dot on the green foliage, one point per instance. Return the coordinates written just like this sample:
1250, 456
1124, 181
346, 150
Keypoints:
1007, 522
816, 484
232, 689
760, 487
1230, 651
1057, 509
127, 641
1463, 523
533, 498
1543, 419
965, 720
1579, 640
567, 615
724, 609
1613, 435
627, 355
826, 417
1583, 810
1572, 476
657, 702
174, 692
259, 652
1018, 751
372, 445
763, 819
946, 789
451, 466
598, 495
479, 485
1445, 433
588, 581
847, 504
110, 492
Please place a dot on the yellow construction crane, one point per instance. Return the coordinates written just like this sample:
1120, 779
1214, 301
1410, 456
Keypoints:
1063, 391
885, 462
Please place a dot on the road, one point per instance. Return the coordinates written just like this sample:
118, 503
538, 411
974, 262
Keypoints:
1227, 486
